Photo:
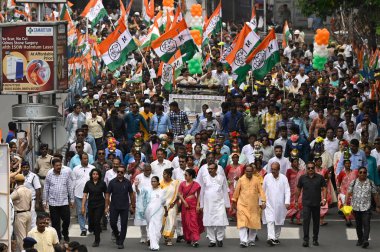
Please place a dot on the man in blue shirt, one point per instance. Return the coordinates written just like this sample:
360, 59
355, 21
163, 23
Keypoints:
12, 132
133, 120
358, 158
233, 121
160, 122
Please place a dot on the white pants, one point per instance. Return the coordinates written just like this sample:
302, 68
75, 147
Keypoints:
144, 235
274, 231
34, 214
178, 228
247, 235
220, 232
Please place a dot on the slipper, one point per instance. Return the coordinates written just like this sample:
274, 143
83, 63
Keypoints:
323, 224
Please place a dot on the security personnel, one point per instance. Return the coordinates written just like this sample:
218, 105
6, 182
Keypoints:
22, 201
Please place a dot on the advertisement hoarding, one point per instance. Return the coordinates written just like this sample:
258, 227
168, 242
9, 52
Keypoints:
33, 57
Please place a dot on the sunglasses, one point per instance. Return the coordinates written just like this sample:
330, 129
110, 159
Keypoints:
121, 172
310, 168
101, 153
362, 172
78, 147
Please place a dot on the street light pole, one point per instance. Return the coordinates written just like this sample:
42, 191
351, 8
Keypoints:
265, 16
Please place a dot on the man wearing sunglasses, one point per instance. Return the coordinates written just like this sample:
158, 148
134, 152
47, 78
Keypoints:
313, 186
361, 190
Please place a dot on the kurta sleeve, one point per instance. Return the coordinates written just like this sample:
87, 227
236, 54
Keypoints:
237, 191
287, 191
261, 191
227, 202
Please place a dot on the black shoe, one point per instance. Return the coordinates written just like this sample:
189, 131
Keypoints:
359, 243
220, 243
276, 242
66, 239
243, 245
84, 233
305, 244
256, 238
270, 242
95, 244
180, 239
365, 244
195, 244
315, 243
120, 246
211, 245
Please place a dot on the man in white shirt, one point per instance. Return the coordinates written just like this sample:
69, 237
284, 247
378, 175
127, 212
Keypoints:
288, 50
112, 173
369, 126
208, 122
301, 77
283, 139
179, 173
249, 150
331, 143
376, 152
351, 133
160, 164
220, 75
284, 162
181, 151
80, 135
80, 175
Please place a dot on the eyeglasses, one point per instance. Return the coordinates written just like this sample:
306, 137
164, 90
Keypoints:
362, 172
101, 153
78, 147
310, 168
121, 172
212, 168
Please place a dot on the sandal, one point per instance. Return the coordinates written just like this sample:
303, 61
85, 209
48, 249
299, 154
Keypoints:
169, 243
323, 224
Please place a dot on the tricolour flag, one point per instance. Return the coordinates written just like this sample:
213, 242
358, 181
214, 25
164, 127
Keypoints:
178, 15
265, 56
148, 11
94, 11
246, 42
253, 22
153, 34
66, 15
178, 37
116, 47
207, 61
213, 25
285, 34
171, 70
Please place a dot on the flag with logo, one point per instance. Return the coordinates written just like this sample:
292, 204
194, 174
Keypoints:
213, 25
148, 12
265, 56
170, 71
253, 22
178, 37
247, 40
116, 47
94, 11
285, 34
153, 34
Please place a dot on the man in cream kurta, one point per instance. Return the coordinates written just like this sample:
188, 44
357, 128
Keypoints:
277, 191
214, 201
248, 193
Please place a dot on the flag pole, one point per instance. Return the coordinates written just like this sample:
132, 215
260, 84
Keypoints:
86, 29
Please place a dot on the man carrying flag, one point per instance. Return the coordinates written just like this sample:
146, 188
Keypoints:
178, 37
116, 47
265, 56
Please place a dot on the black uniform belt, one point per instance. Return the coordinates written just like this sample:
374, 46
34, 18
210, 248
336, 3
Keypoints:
22, 211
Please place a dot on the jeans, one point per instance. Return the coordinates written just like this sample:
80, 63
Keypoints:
94, 217
363, 224
308, 213
58, 213
114, 215
81, 218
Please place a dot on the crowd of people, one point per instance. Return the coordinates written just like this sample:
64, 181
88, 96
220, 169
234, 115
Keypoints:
292, 145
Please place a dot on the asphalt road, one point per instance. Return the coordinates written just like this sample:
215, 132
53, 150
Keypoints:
333, 237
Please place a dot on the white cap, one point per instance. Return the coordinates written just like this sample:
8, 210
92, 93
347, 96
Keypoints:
147, 101
96, 97
137, 13
208, 111
296, 32
355, 107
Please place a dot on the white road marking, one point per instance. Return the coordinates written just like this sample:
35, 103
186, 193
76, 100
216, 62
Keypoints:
351, 234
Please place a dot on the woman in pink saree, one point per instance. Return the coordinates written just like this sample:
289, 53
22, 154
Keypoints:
233, 172
293, 174
191, 217
343, 181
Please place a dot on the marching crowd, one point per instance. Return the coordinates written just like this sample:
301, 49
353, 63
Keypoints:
292, 145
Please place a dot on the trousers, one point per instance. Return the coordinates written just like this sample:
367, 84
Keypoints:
363, 224
94, 217
311, 212
81, 218
22, 227
215, 233
58, 213
114, 215
247, 234
274, 231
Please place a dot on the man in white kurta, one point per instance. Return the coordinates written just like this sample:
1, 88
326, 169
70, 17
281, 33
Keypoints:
277, 191
203, 171
278, 158
143, 180
214, 201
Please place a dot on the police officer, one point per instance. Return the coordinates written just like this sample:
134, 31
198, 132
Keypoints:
22, 201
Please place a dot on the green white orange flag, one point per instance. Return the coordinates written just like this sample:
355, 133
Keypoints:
171, 70
124, 12
246, 42
285, 34
213, 25
148, 11
116, 47
66, 15
253, 22
265, 56
153, 34
178, 15
94, 11
178, 37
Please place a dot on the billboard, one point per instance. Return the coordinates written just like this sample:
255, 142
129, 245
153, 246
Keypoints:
33, 57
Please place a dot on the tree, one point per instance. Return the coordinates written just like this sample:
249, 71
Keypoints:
361, 16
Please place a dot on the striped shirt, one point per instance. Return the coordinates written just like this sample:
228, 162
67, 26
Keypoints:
58, 190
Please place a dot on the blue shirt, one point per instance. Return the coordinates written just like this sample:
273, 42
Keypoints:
76, 160
373, 173
117, 153
357, 160
133, 124
10, 136
91, 140
233, 122
129, 158
160, 124
302, 126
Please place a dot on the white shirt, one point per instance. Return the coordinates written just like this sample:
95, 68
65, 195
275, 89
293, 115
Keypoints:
222, 77
144, 182
158, 168
281, 141
32, 182
301, 79
288, 52
179, 174
80, 176
175, 162
204, 148
284, 164
347, 136
110, 175
372, 130
331, 146
203, 173
248, 152
376, 154
86, 148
